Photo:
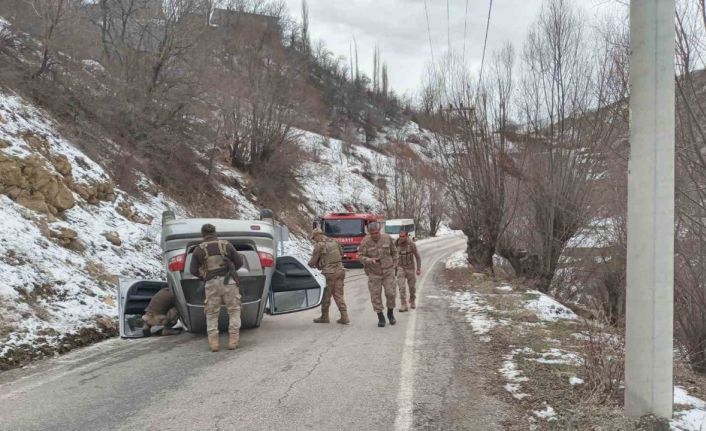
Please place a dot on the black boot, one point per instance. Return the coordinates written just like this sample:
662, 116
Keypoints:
381, 320
391, 316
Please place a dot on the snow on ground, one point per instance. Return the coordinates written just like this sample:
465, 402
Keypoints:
476, 310
513, 375
457, 260
299, 247
49, 290
93, 66
335, 180
558, 357
245, 208
600, 233
693, 417
547, 308
548, 413
505, 288
21, 117
575, 381
445, 230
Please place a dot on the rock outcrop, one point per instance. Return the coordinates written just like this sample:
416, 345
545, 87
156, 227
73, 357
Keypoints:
96, 192
126, 210
67, 238
113, 238
30, 183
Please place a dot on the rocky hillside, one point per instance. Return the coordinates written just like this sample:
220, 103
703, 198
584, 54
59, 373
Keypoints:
97, 139
69, 234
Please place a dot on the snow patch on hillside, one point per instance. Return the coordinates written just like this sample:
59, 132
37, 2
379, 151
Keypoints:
21, 118
49, 290
547, 308
693, 418
335, 180
457, 260
600, 233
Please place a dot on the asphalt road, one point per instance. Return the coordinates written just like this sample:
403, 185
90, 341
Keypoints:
289, 374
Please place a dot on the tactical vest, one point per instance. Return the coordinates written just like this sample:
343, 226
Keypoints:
331, 254
213, 263
405, 254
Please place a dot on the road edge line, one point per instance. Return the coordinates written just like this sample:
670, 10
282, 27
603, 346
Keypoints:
405, 409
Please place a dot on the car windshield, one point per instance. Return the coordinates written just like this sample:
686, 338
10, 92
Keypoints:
343, 227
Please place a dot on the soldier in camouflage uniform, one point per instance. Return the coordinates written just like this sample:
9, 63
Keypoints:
327, 258
161, 312
378, 255
406, 271
215, 261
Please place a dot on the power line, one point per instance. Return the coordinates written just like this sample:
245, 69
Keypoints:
485, 44
431, 46
465, 33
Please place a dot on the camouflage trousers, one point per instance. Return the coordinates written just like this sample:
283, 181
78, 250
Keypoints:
376, 284
407, 277
334, 287
167, 320
219, 294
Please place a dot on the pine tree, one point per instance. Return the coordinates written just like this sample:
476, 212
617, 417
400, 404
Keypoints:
306, 42
376, 85
385, 80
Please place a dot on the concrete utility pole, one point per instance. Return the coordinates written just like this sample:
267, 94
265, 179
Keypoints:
650, 266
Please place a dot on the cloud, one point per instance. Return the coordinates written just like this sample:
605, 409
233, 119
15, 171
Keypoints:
399, 27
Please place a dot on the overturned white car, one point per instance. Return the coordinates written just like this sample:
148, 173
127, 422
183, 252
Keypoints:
269, 283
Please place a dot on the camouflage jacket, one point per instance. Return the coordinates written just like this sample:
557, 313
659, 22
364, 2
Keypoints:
161, 302
327, 256
383, 249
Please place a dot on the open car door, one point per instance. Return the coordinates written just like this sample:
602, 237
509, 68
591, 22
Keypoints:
133, 297
295, 286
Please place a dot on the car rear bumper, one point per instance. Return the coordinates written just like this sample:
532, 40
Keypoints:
249, 317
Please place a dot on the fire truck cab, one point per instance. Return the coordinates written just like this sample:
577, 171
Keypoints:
348, 229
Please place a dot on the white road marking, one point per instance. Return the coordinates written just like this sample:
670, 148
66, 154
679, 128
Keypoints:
405, 397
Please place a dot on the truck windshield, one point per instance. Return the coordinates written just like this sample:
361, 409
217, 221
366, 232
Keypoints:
395, 229
343, 227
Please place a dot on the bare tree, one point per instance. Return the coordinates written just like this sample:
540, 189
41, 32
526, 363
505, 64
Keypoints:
53, 14
564, 96
435, 202
690, 264
470, 148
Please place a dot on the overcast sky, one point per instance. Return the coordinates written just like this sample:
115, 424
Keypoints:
400, 28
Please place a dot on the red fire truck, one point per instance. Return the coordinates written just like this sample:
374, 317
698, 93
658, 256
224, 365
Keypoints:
348, 229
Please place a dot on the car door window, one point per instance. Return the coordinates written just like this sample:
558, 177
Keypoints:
294, 287
134, 297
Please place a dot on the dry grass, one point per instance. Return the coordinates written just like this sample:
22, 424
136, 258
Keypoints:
578, 406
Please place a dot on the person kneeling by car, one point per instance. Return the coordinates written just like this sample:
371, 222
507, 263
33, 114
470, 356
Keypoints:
216, 262
161, 312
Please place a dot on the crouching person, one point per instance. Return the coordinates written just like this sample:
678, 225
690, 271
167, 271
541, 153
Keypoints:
161, 312
215, 262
